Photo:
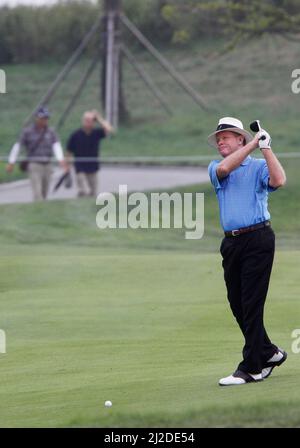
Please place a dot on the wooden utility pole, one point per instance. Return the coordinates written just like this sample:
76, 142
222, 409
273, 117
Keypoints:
112, 94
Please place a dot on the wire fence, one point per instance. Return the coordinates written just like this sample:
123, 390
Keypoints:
146, 159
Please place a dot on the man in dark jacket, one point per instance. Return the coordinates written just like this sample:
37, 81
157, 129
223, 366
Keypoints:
84, 146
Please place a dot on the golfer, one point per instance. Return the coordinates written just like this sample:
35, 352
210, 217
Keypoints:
242, 184
41, 143
84, 146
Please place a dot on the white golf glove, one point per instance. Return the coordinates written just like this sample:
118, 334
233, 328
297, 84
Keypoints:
266, 142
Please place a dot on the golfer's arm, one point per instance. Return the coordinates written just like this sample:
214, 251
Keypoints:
58, 151
14, 153
107, 127
276, 171
69, 156
234, 160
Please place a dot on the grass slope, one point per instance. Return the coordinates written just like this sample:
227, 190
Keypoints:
136, 317
140, 317
253, 81
73, 223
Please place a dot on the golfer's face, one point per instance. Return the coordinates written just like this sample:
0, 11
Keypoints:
88, 123
228, 142
41, 122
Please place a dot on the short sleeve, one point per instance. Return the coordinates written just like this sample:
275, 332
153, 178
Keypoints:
212, 171
265, 177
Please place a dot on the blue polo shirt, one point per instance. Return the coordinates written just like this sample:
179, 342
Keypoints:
243, 194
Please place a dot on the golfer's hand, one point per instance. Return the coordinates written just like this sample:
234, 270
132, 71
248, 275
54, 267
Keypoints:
264, 139
255, 141
104, 123
97, 115
9, 167
65, 166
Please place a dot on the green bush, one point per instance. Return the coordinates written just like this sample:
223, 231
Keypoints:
147, 16
29, 34
33, 34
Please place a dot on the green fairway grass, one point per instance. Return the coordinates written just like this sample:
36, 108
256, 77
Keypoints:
136, 317
151, 332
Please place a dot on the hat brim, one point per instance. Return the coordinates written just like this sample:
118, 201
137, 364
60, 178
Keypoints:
212, 137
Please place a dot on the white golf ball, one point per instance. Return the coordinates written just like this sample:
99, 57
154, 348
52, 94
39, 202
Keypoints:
108, 404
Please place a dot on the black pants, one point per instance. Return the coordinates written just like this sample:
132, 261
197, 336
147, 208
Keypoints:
247, 263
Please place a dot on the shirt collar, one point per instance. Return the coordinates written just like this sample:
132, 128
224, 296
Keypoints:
246, 161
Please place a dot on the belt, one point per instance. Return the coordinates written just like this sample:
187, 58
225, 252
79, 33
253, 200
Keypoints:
237, 232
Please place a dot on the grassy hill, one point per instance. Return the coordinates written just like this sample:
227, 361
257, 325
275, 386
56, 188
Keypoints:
72, 224
253, 81
140, 317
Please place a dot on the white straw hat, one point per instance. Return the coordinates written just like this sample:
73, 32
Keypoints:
229, 124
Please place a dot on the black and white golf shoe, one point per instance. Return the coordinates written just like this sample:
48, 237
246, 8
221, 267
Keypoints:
277, 359
239, 377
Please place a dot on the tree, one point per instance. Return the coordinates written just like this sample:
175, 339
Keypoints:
236, 19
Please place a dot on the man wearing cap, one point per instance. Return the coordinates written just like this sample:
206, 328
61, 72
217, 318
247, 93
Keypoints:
40, 142
242, 184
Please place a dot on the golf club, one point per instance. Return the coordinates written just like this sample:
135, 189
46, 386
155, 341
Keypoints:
64, 179
256, 127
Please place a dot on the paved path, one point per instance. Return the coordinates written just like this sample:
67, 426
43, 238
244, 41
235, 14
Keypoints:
137, 178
